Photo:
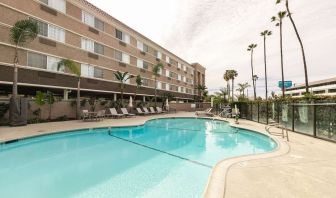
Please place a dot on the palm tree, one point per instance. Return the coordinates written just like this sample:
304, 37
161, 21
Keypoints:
264, 34
223, 92
255, 78
23, 32
301, 44
251, 49
227, 79
122, 78
233, 74
201, 89
73, 68
156, 73
138, 81
243, 87
278, 19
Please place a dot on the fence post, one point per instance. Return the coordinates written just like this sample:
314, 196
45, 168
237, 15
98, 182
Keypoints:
314, 120
278, 111
251, 104
266, 112
293, 117
258, 111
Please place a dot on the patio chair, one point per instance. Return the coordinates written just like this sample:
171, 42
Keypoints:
85, 115
146, 111
140, 112
113, 113
159, 110
206, 112
152, 110
100, 115
125, 112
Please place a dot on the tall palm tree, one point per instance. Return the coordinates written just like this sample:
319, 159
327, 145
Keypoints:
251, 49
233, 74
243, 87
264, 34
122, 78
278, 19
227, 79
255, 78
138, 81
73, 68
156, 73
300, 41
23, 32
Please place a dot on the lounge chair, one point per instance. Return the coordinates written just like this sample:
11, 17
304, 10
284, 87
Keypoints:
206, 112
114, 113
100, 115
85, 115
159, 110
152, 110
146, 111
140, 112
125, 112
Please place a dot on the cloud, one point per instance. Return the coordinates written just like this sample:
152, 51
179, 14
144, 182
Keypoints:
216, 34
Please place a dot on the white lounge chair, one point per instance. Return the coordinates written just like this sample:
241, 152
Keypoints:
146, 110
100, 115
140, 112
159, 110
114, 113
152, 110
125, 112
206, 112
85, 115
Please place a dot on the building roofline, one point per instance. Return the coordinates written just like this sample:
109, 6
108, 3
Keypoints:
92, 6
328, 81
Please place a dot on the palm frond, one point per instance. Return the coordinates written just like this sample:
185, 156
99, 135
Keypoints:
71, 65
23, 31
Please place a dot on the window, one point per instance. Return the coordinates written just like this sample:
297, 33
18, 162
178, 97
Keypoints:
163, 86
56, 33
51, 31
332, 91
88, 19
179, 77
59, 5
99, 48
184, 68
92, 46
167, 59
167, 87
158, 54
53, 64
122, 57
122, 36
319, 92
145, 82
92, 21
142, 64
37, 60
179, 65
91, 71
167, 73
158, 85
141, 46
184, 79
98, 73
87, 45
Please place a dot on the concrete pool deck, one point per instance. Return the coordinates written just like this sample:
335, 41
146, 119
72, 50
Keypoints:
303, 167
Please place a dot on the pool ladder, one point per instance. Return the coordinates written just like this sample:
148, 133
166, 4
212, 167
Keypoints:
283, 133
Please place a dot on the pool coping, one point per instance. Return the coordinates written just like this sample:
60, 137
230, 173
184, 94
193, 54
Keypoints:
217, 179
216, 186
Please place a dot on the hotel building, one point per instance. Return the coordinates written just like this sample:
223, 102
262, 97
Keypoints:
98, 43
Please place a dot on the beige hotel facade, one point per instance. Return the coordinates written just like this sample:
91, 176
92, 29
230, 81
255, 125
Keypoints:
98, 43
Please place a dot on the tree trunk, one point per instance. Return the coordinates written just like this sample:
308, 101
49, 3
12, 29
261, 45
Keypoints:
228, 90
15, 75
302, 48
155, 90
254, 91
122, 95
282, 70
78, 114
266, 89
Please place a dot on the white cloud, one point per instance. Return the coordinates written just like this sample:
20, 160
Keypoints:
216, 34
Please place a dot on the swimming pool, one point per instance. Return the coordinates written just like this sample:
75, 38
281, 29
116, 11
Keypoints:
163, 158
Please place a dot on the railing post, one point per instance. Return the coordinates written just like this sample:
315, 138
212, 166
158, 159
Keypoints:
251, 104
314, 120
293, 110
278, 111
258, 111
266, 112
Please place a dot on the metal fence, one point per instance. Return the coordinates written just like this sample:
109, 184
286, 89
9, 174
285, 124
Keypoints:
313, 119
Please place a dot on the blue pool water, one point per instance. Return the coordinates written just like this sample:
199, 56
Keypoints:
163, 158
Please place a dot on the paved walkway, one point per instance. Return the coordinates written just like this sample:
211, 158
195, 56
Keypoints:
308, 170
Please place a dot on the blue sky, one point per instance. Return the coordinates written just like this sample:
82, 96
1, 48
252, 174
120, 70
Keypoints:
216, 34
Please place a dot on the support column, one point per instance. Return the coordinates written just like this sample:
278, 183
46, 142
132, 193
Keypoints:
144, 99
115, 97
66, 94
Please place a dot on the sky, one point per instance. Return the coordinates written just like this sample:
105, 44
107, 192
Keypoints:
216, 33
